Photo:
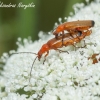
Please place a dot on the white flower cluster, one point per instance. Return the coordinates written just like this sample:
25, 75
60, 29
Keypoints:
63, 76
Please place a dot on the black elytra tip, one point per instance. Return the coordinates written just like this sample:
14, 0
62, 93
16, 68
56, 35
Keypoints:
93, 23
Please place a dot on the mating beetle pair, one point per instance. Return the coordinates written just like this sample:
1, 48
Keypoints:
76, 31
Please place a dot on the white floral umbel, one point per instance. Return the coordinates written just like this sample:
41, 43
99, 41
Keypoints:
63, 76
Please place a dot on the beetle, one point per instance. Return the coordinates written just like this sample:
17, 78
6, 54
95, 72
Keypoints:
74, 26
57, 43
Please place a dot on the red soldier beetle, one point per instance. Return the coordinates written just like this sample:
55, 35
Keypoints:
74, 26
57, 43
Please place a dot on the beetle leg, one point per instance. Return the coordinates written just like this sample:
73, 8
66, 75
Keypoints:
56, 36
71, 33
45, 56
62, 51
88, 32
62, 37
84, 44
81, 46
79, 34
74, 46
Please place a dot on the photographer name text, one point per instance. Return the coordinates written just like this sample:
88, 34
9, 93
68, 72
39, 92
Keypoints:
19, 5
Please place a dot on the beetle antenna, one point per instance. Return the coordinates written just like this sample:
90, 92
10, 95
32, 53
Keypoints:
32, 68
32, 63
24, 52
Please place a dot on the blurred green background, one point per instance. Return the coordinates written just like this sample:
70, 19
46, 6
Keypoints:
20, 22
